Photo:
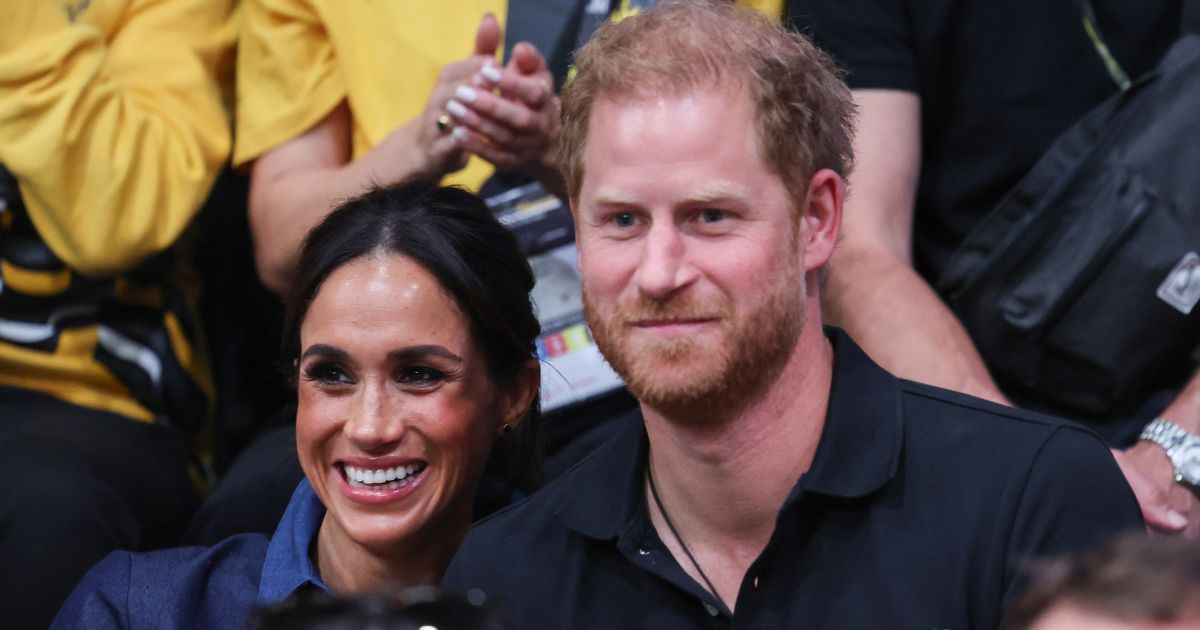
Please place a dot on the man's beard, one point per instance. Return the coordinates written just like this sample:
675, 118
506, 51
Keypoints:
684, 377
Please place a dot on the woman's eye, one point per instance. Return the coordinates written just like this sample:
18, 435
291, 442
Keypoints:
420, 376
712, 215
327, 374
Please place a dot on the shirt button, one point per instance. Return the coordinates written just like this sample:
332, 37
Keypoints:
643, 552
712, 610
756, 581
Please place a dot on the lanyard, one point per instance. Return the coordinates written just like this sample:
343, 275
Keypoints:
1093, 32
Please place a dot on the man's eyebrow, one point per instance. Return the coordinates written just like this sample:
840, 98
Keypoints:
709, 194
413, 352
717, 192
324, 351
613, 198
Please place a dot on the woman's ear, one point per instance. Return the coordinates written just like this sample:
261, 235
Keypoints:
519, 395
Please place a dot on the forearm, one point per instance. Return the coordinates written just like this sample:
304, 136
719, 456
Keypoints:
1185, 409
286, 204
902, 324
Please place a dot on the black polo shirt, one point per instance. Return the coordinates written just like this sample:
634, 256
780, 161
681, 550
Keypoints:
917, 512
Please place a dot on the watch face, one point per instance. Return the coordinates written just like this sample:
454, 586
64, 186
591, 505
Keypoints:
1187, 462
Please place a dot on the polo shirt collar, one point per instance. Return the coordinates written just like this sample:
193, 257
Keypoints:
860, 445
288, 567
607, 484
858, 453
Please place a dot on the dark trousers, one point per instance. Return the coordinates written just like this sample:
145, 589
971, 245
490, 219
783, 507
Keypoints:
78, 484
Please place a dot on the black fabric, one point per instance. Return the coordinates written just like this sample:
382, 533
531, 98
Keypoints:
998, 82
82, 483
1077, 288
918, 511
254, 493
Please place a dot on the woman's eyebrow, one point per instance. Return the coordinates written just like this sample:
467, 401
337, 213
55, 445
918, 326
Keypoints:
405, 354
323, 350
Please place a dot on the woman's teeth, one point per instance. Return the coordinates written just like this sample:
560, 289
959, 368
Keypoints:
382, 478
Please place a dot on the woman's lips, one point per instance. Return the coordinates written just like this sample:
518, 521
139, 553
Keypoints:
374, 483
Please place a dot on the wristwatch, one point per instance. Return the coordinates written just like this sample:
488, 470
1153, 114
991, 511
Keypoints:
1182, 448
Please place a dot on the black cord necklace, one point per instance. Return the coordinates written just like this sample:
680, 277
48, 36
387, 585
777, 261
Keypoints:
679, 539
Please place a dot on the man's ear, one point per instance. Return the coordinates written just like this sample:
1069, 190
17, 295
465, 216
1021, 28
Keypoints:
822, 217
519, 395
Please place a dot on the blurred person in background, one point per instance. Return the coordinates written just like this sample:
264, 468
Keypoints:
112, 129
411, 338
957, 100
336, 97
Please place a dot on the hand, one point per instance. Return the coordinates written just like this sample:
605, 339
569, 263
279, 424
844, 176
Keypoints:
510, 116
1167, 506
442, 152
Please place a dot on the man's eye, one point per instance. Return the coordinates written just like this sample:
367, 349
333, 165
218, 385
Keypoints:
712, 215
420, 376
327, 374
624, 219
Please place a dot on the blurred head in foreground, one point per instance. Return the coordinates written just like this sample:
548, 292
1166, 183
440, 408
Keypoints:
1133, 583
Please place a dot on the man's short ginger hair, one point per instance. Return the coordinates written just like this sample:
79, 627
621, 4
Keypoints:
803, 110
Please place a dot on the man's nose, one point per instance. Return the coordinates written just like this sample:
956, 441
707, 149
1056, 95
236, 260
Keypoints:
664, 266
375, 422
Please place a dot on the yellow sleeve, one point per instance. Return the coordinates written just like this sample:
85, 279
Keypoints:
114, 135
770, 7
287, 75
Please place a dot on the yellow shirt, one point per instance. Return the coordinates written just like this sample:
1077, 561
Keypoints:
113, 123
297, 59
113, 105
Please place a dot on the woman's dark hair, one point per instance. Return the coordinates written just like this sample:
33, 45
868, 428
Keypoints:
456, 238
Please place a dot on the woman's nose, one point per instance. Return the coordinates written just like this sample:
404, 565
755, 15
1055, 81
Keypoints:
375, 421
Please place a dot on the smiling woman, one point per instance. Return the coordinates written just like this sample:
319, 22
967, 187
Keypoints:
412, 335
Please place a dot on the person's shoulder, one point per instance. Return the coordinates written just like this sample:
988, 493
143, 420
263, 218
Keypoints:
926, 405
534, 533
169, 587
233, 556
533, 516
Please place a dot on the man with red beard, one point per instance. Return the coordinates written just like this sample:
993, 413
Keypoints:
780, 478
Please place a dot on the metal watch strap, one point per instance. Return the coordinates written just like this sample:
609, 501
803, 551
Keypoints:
1164, 433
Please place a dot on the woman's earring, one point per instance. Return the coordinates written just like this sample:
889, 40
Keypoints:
505, 429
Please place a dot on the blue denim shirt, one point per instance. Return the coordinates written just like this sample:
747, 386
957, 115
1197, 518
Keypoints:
201, 587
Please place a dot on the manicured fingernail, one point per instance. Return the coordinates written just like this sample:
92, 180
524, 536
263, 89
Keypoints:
490, 72
1176, 519
465, 94
460, 134
456, 109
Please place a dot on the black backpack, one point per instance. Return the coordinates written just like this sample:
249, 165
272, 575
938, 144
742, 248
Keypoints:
1080, 288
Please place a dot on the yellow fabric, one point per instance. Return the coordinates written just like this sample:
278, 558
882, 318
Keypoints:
70, 373
297, 59
112, 121
770, 7
34, 282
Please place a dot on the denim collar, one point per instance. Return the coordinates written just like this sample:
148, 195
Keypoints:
288, 567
